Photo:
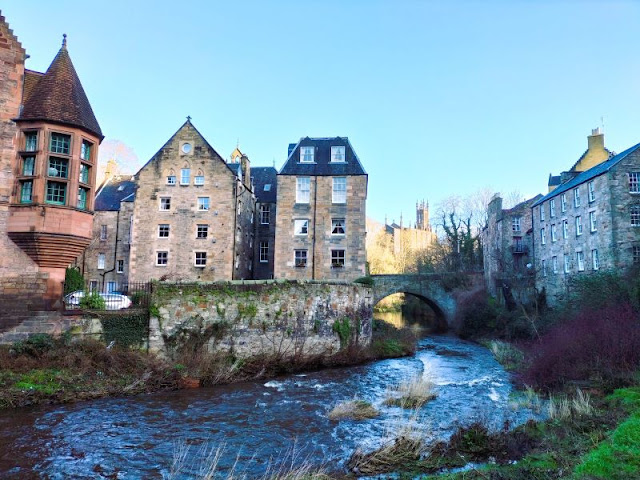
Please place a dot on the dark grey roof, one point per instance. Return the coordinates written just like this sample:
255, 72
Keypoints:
116, 190
589, 174
235, 168
322, 165
555, 180
263, 176
523, 204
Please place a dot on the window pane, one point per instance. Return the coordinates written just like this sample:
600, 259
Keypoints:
339, 190
60, 143
56, 193
84, 173
203, 203
82, 198
85, 150
26, 191
28, 165
58, 167
31, 141
303, 186
185, 175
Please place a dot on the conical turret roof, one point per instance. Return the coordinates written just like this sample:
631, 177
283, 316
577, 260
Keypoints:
59, 97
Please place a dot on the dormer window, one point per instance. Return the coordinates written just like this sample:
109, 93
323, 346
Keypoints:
31, 141
60, 143
337, 154
267, 187
306, 154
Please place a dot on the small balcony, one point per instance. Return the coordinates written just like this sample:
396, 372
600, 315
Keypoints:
520, 249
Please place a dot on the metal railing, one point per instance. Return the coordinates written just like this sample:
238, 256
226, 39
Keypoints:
111, 296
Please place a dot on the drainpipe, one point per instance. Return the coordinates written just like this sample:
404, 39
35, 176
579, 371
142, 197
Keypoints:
313, 241
235, 226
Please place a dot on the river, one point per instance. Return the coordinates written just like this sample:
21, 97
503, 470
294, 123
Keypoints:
256, 424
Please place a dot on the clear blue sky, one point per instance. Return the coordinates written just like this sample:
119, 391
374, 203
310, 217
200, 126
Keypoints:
437, 98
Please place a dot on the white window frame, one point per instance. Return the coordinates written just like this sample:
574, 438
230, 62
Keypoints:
578, 225
339, 190
198, 180
336, 224
171, 180
264, 252
593, 225
165, 204
112, 286
634, 215
595, 259
552, 208
592, 191
565, 229
338, 260
554, 233
120, 266
265, 214
542, 212
338, 154
634, 182
300, 258
307, 154
635, 253
580, 261
567, 267
166, 258
515, 224
200, 259
103, 232
162, 229
303, 189
544, 268
301, 227
554, 264
102, 259
203, 204
185, 176
543, 237
576, 197
563, 203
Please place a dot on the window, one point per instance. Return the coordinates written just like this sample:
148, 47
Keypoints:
635, 215
26, 191
56, 193
515, 224
339, 190
264, 252
595, 259
162, 258
163, 230
338, 226
203, 203
636, 254
165, 203
303, 188
265, 214
543, 237
554, 264
306, 154
300, 258
84, 173
85, 150
554, 235
544, 268
592, 221
103, 232
120, 267
58, 167
566, 263
31, 141
199, 179
565, 229
82, 198
300, 227
552, 208
578, 226
171, 179
580, 261
28, 166
592, 192
542, 213
337, 154
576, 197
112, 287
201, 259
267, 187
185, 176
563, 203
93, 285
101, 259
202, 231
60, 143
337, 258
634, 182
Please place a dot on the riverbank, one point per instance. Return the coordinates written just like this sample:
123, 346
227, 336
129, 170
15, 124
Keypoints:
47, 370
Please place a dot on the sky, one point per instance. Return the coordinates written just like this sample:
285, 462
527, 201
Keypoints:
437, 98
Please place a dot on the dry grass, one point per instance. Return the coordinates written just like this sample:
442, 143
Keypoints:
563, 408
413, 393
527, 399
355, 409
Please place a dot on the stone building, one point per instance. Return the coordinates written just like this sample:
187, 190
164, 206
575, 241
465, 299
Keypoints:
416, 238
49, 141
507, 248
590, 221
321, 221
193, 214
265, 182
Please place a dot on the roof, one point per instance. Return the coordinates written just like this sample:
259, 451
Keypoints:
322, 164
588, 174
523, 204
555, 180
263, 176
31, 79
58, 96
116, 190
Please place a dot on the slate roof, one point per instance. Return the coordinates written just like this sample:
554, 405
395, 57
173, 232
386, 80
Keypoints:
555, 180
322, 165
116, 190
523, 204
587, 175
265, 176
58, 96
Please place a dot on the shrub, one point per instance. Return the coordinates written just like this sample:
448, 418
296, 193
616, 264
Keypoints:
476, 314
364, 281
73, 280
602, 345
34, 346
93, 301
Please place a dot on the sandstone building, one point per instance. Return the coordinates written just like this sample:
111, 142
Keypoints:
321, 221
416, 238
49, 141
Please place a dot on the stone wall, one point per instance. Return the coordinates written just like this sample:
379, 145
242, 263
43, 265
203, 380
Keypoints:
257, 318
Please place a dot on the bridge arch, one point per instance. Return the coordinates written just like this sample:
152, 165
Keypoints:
427, 287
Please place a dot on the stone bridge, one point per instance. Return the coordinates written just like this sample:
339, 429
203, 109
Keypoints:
430, 287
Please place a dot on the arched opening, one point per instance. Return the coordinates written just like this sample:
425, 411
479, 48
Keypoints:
405, 309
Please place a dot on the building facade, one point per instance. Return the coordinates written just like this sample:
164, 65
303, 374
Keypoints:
321, 221
48, 154
589, 222
265, 182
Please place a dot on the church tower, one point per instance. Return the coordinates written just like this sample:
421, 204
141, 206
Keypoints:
422, 215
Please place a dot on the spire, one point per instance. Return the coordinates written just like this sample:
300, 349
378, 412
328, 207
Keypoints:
59, 97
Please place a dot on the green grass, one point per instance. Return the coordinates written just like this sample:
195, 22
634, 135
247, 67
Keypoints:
45, 381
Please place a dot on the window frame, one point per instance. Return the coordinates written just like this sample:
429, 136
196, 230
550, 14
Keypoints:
563, 202
202, 231
51, 194
23, 184
591, 189
554, 233
164, 230
301, 227
595, 259
593, 223
542, 212
338, 258
338, 149
580, 261
184, 171
171, 180
634, 182
578, 221
27, 135
552, 208
119, 266
61, 147
83, 194
54, 162
265, 212
543, 267
162, 258
204, 204
104, 233
576, 197
565, 229
337, 223
200, 259
300, 258
307, 154
31, 163
337, 191
303, 190
567, 266
165, 204
263, 252
102, 261
543, 236
554, 264
86, 146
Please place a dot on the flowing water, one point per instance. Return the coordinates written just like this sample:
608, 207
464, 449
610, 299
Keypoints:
254, 424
